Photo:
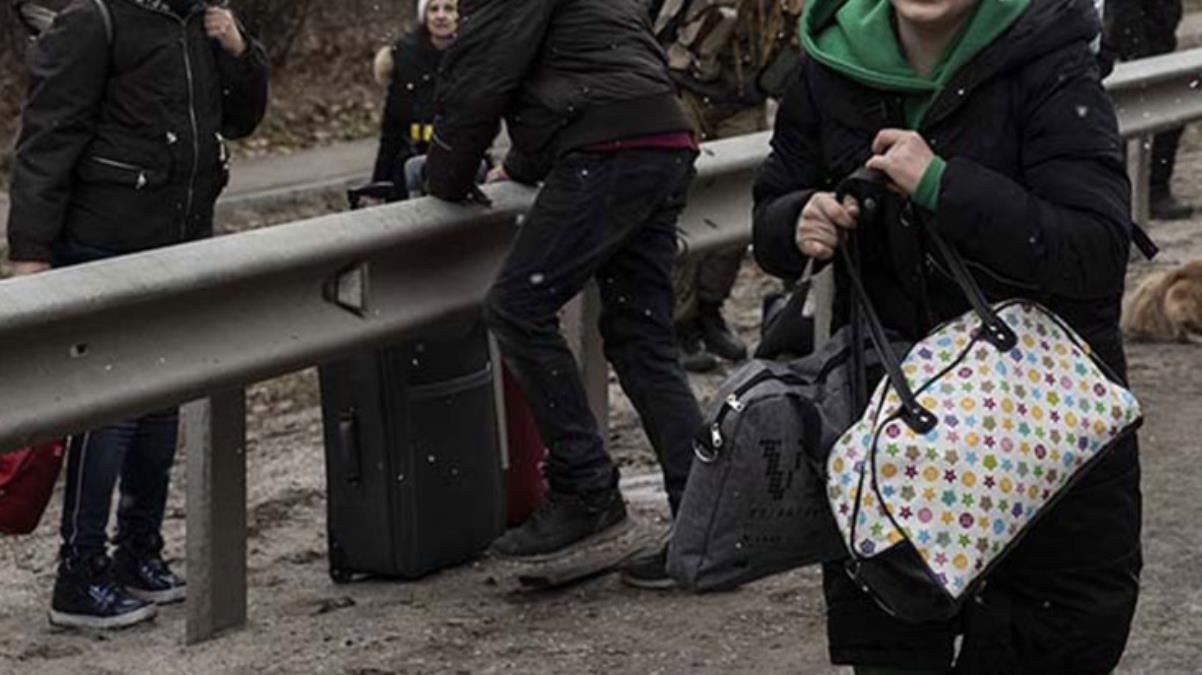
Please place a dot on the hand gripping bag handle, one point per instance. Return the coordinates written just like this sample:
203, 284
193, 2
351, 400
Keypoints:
868, 187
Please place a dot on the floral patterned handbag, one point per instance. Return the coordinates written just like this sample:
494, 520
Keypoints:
966, 442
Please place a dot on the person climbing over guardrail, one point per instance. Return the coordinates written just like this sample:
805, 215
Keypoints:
122, 149
991, 123
593, 115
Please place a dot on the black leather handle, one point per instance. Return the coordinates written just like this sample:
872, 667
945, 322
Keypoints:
915, 416
868, 187
993, 328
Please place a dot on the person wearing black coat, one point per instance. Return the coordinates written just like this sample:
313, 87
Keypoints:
1009, 145
122, 149
592, 112
1137, 29
410, 68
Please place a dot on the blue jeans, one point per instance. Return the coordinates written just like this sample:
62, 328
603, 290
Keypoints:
139, 451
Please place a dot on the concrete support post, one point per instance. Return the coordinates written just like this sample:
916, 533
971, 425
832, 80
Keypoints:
1139, 167
581, 318
214, 438
823, 298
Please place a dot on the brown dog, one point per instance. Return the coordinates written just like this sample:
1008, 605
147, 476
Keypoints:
1166, 306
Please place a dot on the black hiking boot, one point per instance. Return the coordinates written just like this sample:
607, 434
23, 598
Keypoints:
649, 571
87, 596
693, 356
1164, 206
564, 520
718, 337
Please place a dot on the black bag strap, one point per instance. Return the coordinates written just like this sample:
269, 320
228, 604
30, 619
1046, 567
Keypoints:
868, 187
915, 416
1143, 241
37, 17
106, 16
995, 330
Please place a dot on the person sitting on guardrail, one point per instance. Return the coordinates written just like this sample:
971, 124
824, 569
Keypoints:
122, 149
410, 69
992, 124
593, 114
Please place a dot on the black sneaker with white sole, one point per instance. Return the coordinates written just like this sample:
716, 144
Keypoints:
649, 571
563, 522
87, 596
149, 579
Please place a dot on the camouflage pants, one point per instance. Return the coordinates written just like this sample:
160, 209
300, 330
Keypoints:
709, 278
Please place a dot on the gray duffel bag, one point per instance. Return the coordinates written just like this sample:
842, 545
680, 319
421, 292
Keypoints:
755, 503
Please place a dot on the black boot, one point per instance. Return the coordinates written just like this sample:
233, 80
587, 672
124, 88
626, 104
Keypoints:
719, 339
649, 570
1164, 206
140, 569
564, 520
87, 596
693, 356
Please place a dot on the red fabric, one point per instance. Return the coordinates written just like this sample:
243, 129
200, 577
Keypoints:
527, 490
27, 480
677, 140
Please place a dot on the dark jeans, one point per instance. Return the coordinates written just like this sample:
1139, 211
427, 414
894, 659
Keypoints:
140, 452
609, 216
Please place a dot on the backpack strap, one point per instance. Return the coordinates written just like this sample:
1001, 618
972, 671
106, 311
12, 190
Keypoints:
37, 17
1143, 241
107, 17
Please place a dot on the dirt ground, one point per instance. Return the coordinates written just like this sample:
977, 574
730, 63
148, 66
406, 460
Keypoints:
470, 620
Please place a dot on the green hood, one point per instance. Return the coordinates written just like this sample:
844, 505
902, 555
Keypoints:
857, 38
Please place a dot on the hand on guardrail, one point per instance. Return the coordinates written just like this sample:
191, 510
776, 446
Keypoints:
25, 268
818, 229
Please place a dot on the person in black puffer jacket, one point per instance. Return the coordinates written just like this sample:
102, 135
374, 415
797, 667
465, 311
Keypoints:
122, 149
410, 69
1003, 136
593, 113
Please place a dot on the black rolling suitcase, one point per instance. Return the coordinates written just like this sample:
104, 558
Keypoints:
413, 462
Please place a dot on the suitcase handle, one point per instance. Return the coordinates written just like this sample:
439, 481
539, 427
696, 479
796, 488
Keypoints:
348, 446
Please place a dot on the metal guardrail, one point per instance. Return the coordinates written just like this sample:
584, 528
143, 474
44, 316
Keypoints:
86, 345
1151, 95
89, 344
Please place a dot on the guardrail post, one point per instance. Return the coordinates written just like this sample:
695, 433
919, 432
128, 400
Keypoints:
823, 293
214, 438
1139, 167
584, 337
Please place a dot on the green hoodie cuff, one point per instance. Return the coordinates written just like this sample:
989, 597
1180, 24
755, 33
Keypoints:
927, 194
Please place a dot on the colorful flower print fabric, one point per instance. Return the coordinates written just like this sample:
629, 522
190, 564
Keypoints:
1014, 429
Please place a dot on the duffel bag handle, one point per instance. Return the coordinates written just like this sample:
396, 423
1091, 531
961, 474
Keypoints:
868, 187
915, 416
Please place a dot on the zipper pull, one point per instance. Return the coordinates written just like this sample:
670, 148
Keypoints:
715, 436
734, 403
141, 180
